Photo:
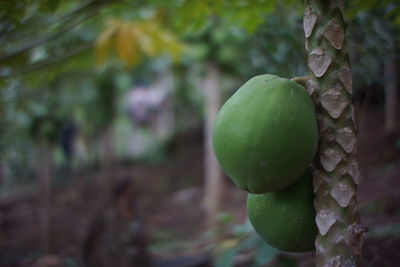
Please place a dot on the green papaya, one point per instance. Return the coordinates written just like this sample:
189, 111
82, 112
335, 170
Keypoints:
265, 135
286, 219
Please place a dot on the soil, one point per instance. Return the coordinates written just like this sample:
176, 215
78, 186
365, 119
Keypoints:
167, 209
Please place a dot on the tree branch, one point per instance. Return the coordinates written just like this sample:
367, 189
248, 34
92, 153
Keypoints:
14, 34
46, 63
50, 37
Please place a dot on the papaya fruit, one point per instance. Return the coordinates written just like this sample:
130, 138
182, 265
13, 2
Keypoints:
265, 135
286, 219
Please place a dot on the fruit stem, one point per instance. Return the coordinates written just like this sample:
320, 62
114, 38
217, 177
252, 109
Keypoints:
301, 80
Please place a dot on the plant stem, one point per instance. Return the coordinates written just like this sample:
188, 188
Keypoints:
336, 172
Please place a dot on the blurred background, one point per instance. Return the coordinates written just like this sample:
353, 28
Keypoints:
106, 110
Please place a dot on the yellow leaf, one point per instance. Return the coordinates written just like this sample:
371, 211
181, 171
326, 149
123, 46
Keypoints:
226, 245
131, 40
103, 43
126, 44
146, 41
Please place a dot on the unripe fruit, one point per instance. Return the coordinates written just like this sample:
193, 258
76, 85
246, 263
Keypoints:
265, 135
286, 219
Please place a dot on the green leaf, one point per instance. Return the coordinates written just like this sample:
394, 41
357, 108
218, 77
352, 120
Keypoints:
286, 261
252, 241
243, 229
225, 218
227, 258
49, 5
364, 5
265, 254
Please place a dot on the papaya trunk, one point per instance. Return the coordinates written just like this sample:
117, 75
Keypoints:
212, 172
336, 172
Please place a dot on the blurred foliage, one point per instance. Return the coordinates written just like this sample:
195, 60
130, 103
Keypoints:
388, 230
47, 60
373, 37
16, 12
45, 36
45, 128
390, 9
191, 15
102, 110
277, 47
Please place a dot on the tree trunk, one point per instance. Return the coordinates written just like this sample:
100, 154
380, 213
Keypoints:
107, 159
212, 172
391, 96
336, 172
45, 171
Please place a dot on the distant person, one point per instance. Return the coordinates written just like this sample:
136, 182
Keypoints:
68, 133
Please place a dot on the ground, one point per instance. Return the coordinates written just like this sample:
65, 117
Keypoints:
168, 208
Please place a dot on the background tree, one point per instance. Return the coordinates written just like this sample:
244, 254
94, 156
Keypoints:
45, 130
382, 21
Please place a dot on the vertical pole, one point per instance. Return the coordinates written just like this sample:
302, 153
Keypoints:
212, 172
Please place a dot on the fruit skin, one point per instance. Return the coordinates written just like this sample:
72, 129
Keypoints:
286, 219
265, 136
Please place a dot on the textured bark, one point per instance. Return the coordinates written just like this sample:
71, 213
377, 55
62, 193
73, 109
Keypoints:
212, 171
391, 96
336, 173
